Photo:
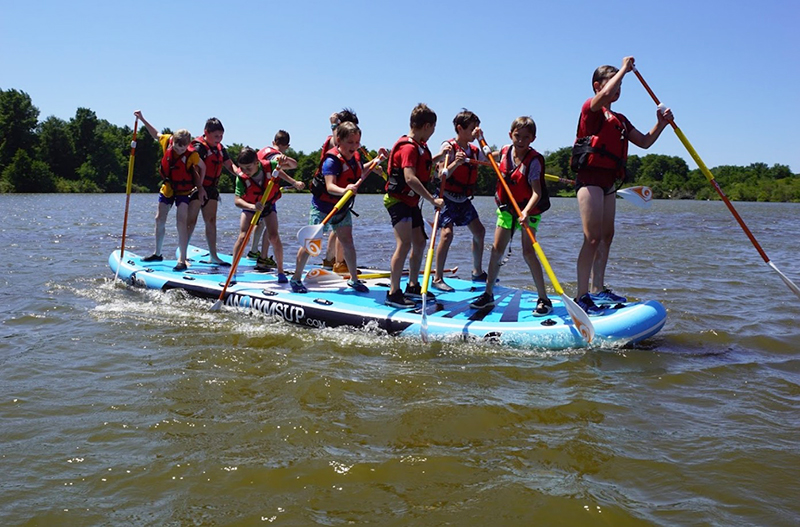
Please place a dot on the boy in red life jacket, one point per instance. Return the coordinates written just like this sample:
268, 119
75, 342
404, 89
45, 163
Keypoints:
410, 164
215, 156
341, 170
251, 184
459, 187
182, 171
523, 169
598, 158
280, 144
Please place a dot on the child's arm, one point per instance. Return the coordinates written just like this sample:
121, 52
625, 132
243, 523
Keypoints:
199, 170
244, 205
299, 185
285, 162
410, 175
230, 166
646, 140
536, 187
606, 95
150, 129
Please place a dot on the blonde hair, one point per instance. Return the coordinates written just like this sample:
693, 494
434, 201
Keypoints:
182, 137
346, 129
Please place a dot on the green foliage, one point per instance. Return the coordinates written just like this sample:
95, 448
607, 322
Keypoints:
89, 154
26, 175
18, 118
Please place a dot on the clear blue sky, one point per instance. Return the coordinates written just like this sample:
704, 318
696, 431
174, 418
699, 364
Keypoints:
729, 70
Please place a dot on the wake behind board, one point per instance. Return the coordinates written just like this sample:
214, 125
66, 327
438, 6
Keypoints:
331, 303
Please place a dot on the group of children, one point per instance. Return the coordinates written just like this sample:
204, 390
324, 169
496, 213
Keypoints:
191, 168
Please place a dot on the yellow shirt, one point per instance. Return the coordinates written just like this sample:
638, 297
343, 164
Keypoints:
194, 159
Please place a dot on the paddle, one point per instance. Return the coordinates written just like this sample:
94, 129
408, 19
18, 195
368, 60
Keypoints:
323, 276
382, 172
426, 277
579, 316
310, 236
128, 194
707, 173
640, 196
238, 255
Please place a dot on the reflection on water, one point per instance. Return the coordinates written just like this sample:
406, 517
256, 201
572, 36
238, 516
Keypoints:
123, 406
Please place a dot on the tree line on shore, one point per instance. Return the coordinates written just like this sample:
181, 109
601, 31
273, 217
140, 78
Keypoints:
89, 154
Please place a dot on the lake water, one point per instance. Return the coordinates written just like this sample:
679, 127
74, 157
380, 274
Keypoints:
128, 407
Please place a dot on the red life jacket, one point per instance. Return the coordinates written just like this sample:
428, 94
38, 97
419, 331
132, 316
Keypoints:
396, 185
517, 179
346, 177
174, 170
268, 152
213, 160
254, 191
462, 180
607, 149
317, 181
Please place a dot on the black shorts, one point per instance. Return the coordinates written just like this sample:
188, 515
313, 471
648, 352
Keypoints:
606, 190
212, 193
402, 212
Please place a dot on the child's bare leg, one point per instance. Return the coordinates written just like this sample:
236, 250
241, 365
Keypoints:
161, 225
442, 250
501, 238
273, 236
402, 236
182, 216
478, 236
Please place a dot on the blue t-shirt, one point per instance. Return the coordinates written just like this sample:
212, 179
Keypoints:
331, 166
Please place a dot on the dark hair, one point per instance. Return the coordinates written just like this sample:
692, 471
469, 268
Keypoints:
422, 115
465, 118
347, 115
213, 125
524, 123
603, 73
246, 156
346, 129
281, 137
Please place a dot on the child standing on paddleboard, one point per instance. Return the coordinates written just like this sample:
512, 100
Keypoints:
598, 157
215, 156
410, 164
523, 169
342, 172
280, 144
459, 187
182, 171
253, 181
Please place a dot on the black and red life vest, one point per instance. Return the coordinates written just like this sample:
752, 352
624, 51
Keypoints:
517, 179
174, 170
607, 149
254, 190
396, 185
318, 181
348, 176
213, 160
463, 179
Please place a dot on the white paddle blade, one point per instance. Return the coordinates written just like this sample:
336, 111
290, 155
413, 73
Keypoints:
323, 277
310, 237
786, 280
639, 196
580, 318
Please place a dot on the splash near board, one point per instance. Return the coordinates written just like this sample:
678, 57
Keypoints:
331, 303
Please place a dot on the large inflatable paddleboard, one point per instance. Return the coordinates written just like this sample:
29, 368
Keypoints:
331, 303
